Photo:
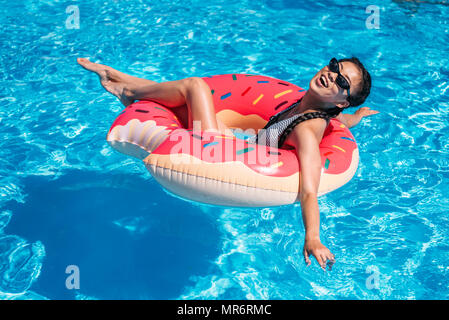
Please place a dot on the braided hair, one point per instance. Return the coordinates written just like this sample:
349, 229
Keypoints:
326, 115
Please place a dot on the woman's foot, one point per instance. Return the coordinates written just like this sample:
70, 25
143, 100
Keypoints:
114, 81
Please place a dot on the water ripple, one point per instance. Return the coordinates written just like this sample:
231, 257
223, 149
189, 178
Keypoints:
388, 221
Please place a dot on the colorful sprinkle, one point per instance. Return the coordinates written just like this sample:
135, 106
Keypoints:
244, 92
234, 77
160, 109
240, 135
284, 84
225, 96
244, 150
276, 165
280, 105
212, 91
342, 126
140, 110
263, 81
210, 144
282, 93
326, 164
339, 148
346, 138
174, 125
197, 136
274, 152
257, 100
328, 153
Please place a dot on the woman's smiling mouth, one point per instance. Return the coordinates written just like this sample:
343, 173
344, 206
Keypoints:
324, 81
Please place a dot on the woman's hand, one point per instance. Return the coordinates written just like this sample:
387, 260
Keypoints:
319, 251
365, 112
351, 120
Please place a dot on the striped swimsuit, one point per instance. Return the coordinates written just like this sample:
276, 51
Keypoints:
270, 135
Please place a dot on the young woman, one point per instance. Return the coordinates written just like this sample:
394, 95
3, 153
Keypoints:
339, 85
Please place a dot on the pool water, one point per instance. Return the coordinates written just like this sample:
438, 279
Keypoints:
68, 201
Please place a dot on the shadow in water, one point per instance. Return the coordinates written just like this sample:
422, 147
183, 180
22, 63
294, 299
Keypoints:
128, 237
413, 5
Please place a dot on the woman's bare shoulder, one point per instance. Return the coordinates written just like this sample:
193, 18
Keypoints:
317, 126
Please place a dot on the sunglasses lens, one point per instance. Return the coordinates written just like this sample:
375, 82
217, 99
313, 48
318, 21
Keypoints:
333, 65
341, 81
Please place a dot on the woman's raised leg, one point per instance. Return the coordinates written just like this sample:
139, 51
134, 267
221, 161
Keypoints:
191, 92
113, 80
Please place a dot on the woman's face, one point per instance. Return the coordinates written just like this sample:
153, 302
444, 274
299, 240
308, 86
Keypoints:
323, 84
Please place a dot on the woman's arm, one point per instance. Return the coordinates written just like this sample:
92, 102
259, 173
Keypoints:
351, 120
307, 137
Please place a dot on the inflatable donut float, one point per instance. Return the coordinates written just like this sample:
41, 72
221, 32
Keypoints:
227, 170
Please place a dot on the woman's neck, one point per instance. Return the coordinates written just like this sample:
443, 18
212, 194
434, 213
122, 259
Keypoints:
309, 101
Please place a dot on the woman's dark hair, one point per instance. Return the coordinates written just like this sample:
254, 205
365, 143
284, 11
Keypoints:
365, 87
355, 99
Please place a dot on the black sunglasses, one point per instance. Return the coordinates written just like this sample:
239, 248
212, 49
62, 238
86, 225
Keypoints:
340, 80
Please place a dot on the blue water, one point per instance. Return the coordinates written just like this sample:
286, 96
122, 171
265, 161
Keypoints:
67, 198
